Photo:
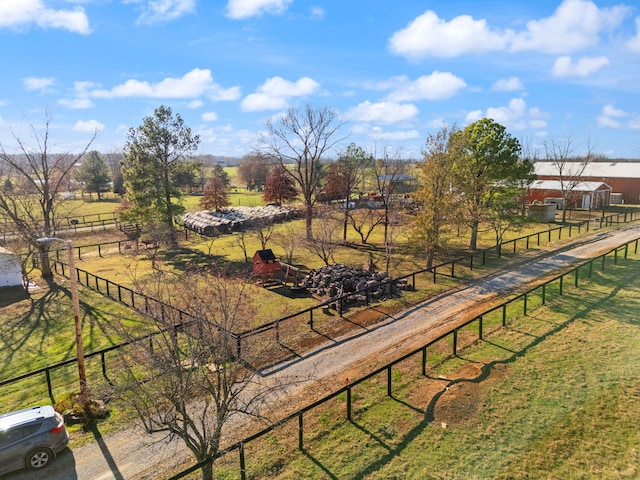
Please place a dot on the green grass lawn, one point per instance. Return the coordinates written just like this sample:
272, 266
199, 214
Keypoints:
555, 394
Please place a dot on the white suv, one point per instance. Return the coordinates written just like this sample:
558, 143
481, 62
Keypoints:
31, 438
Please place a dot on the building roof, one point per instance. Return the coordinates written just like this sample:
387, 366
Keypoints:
593, 169
265, 255
580, 187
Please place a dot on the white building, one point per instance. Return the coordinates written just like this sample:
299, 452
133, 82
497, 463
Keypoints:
10, 269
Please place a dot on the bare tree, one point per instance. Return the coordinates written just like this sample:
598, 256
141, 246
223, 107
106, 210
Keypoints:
37, 177
345, 175
241, 241
192, 386
263, 229
569, 168
365, 220
300, 139
387, 170
324, 241
288, 239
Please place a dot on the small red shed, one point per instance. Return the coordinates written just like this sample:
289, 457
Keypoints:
265, 263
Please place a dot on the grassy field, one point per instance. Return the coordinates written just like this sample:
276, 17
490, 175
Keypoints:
554, 395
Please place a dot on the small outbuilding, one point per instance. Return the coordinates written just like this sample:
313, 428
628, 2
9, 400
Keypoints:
10, 269
265, 264
583, 194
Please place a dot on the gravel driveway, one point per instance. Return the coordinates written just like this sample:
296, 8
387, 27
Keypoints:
132, 454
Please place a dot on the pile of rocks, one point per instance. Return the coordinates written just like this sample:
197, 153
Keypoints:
212, 223
333, 281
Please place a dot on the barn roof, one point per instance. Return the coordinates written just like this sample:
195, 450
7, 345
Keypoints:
265, 255
580, 187
593, 169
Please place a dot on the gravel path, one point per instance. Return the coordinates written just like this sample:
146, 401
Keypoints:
131, 454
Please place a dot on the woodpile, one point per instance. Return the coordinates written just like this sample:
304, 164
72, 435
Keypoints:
362, 284
211, 223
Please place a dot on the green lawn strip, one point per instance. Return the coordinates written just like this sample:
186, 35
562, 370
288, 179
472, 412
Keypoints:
39, 332
561, 401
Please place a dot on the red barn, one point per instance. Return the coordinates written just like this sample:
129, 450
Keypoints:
622, 176
583, 194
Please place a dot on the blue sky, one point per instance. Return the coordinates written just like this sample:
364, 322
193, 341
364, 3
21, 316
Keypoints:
395, 71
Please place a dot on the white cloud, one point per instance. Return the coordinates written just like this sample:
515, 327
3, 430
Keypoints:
511, 84
274, 93
428, 35
382, 112
193, 84
22, 13
76, 103
42, 84
575, 25
585, 66
157, 11
240, 9
437, 86
209, 116
610, 117
88, 126
195, 104
515, 115
399, 135
318, 13
634, 43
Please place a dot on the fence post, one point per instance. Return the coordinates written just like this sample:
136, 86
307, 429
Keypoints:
525, 304
49, 388
484, 257
311, 319
471, 262
480, 327
453, 264
615, 257
576, 277
104, 364
504, 315
515, 243
349, 402
544, 293
424, 362
300, 432
243, 468
626, 250
604, 256
434, 274
389, 381
455, 342
527, 243
561, 282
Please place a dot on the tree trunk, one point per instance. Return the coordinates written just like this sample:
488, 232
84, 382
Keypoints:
45, 264
474, 235
207, 471
308, 217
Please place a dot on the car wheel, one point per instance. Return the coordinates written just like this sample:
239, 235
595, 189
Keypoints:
38, 458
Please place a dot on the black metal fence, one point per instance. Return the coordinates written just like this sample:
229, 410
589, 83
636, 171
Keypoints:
519, 305
304, 319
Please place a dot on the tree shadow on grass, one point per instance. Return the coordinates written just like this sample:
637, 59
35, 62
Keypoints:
485, 371
32, 329
184, 259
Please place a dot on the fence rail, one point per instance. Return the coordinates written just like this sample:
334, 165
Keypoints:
453, 334
148, 305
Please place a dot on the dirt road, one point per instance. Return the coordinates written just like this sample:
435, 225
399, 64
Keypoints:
131, 454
